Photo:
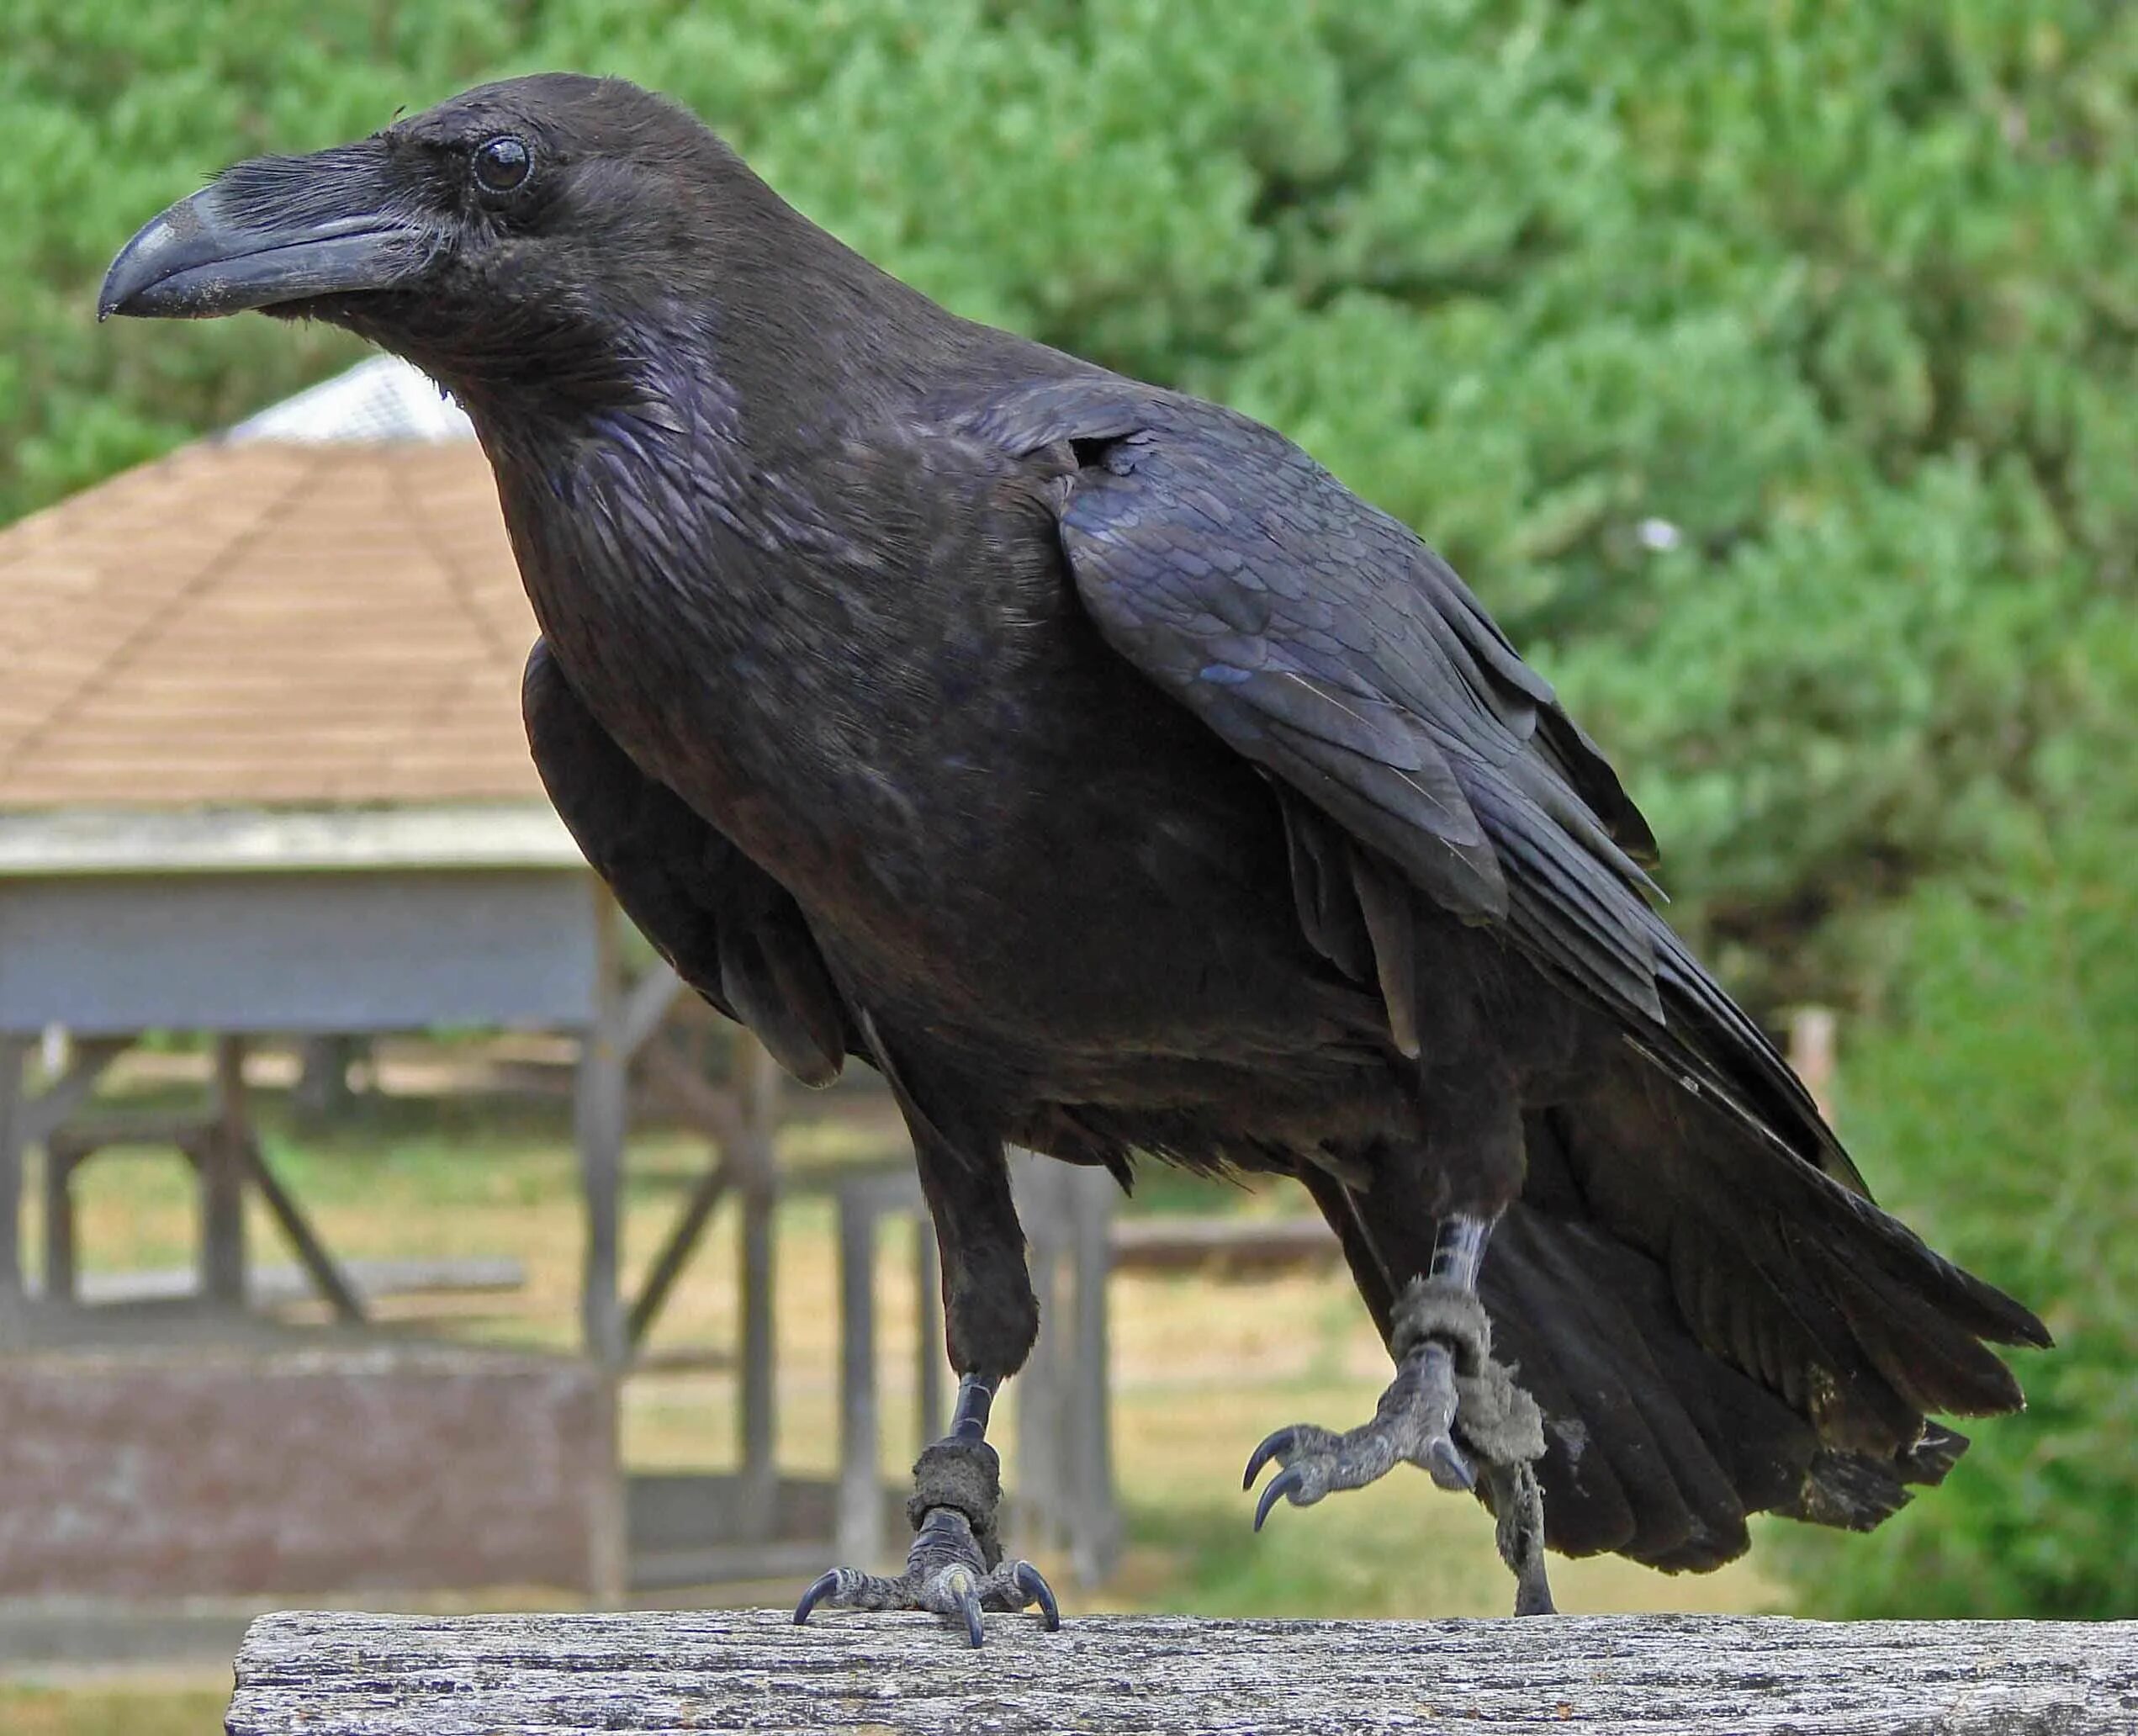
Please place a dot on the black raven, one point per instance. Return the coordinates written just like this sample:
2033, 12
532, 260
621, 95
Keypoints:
1087, 759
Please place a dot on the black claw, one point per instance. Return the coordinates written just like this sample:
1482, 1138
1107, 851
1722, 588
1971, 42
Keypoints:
1280, 1485
970, 1605
1033, 1584
1449, 1468
825, 1584
1279, 1441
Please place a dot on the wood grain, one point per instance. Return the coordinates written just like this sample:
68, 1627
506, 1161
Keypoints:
348, 1674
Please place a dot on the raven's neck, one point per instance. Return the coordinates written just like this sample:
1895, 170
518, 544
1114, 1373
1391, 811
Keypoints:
777, 337
684, 536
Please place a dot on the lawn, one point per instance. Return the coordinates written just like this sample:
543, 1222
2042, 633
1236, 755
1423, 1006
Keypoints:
435, 1165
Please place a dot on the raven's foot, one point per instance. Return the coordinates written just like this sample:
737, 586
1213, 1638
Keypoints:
944, 1575
1449, 1404
955, 1568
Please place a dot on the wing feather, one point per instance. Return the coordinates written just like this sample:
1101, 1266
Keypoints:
1324, 642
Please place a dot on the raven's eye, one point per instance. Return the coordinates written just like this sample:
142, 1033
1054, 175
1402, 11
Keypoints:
501, 164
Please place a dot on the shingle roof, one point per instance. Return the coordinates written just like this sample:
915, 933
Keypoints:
294, 616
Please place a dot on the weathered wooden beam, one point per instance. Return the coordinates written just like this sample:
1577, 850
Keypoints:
687, 1092
757, 1092
223, 1178
644, 1004
602, 1113
1095, 1517
858, 1524
14, 1140
1221, 1244
61, 1157
67, 1093
327, 1277
276, 1286
676, 1251
929, 1416
1591, 1675
24, 1121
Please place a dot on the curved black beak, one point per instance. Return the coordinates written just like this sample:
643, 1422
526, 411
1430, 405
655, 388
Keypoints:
280, 230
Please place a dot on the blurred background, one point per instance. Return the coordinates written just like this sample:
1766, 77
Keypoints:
390, 1234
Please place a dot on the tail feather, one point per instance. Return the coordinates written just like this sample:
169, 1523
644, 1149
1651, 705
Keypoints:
1784, 1272
1626, 1468
1594, 1331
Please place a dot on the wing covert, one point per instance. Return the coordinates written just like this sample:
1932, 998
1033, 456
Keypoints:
1326, 643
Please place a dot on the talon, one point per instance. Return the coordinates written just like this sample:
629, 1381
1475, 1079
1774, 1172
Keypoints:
1281, 1484
968, 1607
1277, 1442
1448, 1467
1030, 1580
824, 1585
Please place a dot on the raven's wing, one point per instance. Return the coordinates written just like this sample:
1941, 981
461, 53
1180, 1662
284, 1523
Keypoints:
1690, 1238
731, 931
1323, 640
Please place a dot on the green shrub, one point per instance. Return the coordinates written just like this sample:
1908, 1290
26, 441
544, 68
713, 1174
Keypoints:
2000, 1112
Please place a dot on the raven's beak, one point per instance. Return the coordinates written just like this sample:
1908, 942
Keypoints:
278, 230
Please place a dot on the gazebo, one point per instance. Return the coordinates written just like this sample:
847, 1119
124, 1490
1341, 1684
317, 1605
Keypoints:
261, 771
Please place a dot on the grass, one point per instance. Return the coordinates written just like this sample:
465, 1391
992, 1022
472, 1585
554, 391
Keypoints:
1202, 1368
181, 1706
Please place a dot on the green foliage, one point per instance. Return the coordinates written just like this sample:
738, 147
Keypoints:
2002, 1110
1765, 365
1831, 298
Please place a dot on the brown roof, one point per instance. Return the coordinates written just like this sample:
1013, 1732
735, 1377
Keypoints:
265, 623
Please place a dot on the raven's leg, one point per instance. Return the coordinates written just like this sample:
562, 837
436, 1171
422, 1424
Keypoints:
956, 1566
1448, 1395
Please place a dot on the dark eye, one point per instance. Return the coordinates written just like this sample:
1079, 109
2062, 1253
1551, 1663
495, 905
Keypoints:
501, 164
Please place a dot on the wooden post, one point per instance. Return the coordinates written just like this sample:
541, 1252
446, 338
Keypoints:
222, 1181
1094, 1519
1037, 1478
601, 1111
1811, 1046
303, 1673
321, 1095
859, 1537
757, 1085
929, 1415
41, 1118
14, 1105
61, 1155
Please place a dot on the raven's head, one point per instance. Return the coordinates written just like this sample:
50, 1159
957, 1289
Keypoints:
514, 231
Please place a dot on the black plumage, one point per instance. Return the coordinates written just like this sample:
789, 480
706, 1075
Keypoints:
1090, 761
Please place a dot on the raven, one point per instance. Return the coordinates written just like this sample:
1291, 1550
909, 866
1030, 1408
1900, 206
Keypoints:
1087, 760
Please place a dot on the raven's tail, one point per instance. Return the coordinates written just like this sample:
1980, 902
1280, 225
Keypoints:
1713, 1326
